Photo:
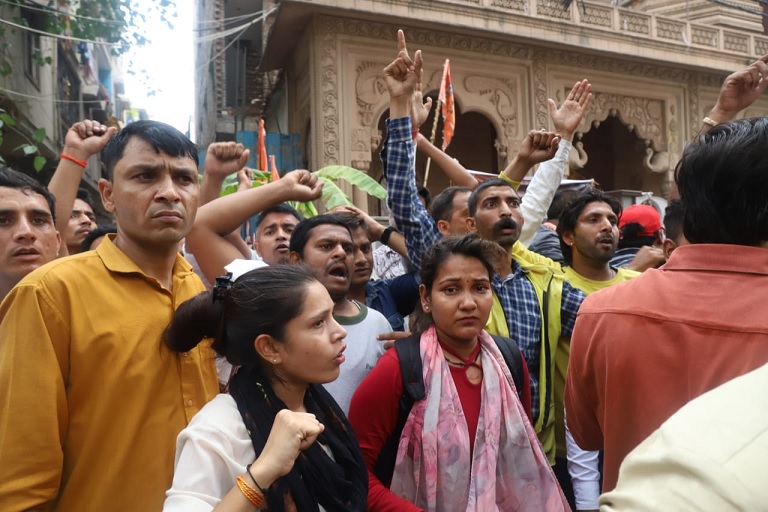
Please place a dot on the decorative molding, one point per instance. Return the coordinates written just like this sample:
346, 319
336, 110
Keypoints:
502, 94
659, 162
329, 87
643, 116
369, 90
577, 158
540, 95
361, 148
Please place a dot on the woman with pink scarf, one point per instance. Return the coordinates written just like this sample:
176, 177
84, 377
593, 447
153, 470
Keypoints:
468, 445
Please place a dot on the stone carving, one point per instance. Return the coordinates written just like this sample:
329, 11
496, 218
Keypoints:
540, 89
704, 36
577, 158
370, 90
361, 148
736, 42
642, 116
502, 94
552, 9
671, 30
622, 67
329, 93
635, 23
600, 16
501, 150
514, 5
659, 162
761, 45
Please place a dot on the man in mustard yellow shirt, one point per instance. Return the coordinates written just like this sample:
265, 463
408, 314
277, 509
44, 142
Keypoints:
91, 399
589, 236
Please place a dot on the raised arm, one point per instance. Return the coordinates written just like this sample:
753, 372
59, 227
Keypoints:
403, 78
396, 241
566, 120
456, 172
220, 217
221, 160
739, 90
83, 140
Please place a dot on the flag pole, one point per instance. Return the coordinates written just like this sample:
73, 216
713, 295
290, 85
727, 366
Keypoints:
432, 139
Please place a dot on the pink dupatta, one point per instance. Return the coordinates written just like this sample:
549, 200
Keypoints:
508, 470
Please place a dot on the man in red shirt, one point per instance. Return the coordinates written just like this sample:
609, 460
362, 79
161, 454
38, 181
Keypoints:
642, 350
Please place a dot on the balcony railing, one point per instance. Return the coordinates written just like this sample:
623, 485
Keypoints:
602, 17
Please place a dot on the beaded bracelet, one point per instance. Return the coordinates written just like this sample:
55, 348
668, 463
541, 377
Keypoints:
255, 497
260, 488
81, 163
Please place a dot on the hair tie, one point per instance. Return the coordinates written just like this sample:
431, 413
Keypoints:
222, 286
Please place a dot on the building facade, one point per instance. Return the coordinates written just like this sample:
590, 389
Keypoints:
656, 68
51, 83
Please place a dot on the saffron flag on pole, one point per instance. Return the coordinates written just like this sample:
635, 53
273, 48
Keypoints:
273, 168
262, 147
445, 97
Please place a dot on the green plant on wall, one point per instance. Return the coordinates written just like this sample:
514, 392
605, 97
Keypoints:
27, 149
333, 195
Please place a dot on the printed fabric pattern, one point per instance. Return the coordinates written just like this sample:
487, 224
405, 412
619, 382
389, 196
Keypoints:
508, 470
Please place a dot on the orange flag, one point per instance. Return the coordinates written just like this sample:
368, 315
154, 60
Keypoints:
262, 146
445, 97
273, 168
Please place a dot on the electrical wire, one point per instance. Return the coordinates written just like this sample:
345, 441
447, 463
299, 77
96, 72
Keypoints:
60, 36
212, 37
50, 97
225, 20
50, 10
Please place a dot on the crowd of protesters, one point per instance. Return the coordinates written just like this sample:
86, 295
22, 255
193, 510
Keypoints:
548, 352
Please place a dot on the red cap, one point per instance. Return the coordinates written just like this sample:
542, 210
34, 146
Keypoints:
642, 214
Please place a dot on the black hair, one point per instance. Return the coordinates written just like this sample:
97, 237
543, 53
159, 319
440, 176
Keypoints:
723, 183
14, 179
474, 197
301, 232
442, 204
278, 208
560, 201
92, 235
162, 137
424, 192
629, 236
673, 220
569, 217
469, 245
84, 195
261, 301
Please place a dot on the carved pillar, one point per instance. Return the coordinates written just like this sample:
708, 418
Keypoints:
326, 132
540, 94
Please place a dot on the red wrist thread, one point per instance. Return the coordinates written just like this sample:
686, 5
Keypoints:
81, 163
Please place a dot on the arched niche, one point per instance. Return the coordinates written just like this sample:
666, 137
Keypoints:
618, 158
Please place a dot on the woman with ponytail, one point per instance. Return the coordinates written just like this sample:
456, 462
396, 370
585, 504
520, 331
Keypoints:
277, 440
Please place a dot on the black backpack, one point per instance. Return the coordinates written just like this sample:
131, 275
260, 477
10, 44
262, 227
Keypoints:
413, 389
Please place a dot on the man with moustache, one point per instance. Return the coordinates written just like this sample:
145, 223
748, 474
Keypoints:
92, 400
589, 236
28, 236
532, 302
324, 243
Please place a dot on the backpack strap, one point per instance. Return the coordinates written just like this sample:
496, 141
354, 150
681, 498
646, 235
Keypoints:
514, 359
409, 354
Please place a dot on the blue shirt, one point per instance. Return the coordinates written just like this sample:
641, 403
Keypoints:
394, 298
516, 292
